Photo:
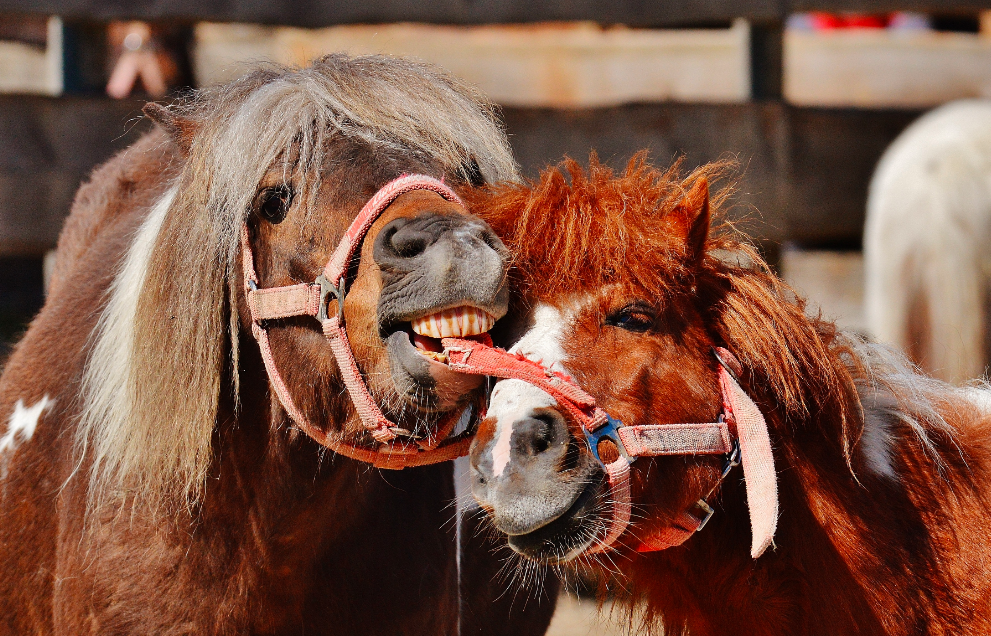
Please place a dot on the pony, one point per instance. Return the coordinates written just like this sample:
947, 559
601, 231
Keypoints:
928, 222
864, 497
164, 463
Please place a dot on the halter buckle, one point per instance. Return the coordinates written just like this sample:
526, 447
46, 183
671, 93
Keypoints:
328, 289
610, 431
732, 459
706, 511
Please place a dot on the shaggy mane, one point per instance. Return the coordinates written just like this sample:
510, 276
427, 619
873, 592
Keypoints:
595, 227
575, 230
162, 347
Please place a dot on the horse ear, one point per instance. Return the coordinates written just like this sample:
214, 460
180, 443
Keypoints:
179, 128
691, 216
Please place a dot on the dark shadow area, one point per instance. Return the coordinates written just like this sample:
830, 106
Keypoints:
21, 296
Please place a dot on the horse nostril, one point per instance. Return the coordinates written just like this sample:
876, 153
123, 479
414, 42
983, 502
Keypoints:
407, 238
408, 242
542, 433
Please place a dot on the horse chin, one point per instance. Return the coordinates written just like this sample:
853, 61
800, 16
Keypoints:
570, 534
428, 385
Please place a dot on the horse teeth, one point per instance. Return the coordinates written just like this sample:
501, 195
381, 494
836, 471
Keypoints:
433, 355
454, 323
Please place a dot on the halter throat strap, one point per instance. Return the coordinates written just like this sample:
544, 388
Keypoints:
324, 300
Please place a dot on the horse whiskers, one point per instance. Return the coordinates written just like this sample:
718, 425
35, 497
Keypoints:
522, 575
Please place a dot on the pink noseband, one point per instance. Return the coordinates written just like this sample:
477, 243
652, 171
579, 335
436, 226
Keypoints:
740, 434
314, 299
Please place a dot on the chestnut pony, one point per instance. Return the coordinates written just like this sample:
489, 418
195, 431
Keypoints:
151, 480
879, 483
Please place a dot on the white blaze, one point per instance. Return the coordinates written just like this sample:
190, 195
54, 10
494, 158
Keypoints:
22, 423
513, 400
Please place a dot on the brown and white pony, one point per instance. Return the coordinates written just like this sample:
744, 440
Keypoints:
151, 481
881, 473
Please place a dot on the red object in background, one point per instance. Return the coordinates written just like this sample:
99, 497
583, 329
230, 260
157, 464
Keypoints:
828, 21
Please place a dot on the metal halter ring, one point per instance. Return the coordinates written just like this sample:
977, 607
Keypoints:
610, 431
328, 289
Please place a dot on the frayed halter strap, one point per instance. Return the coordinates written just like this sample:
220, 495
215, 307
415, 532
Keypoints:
313, 299
740, 434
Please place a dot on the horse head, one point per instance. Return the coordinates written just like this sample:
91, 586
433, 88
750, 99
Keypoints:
274, 176
426, 269
632, 300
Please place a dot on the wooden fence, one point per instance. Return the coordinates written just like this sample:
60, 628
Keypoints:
804, 170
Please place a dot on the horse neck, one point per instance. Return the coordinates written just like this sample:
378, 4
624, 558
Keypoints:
268, 469
851, 554
306, 520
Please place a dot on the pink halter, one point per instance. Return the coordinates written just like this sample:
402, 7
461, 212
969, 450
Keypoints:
740, 433
313, 299
741, 421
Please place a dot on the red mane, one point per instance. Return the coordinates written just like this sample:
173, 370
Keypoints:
587, 239
575, 230
882, 472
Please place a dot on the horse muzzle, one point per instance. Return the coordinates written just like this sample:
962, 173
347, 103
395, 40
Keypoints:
443, 275
543, 489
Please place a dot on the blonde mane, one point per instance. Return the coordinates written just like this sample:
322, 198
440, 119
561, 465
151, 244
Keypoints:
167, 336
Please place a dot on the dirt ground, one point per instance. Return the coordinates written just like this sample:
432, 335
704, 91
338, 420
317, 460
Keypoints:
582, 617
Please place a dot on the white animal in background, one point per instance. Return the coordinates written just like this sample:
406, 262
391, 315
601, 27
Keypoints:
927, 241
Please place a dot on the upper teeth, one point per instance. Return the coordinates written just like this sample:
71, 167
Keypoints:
451, 323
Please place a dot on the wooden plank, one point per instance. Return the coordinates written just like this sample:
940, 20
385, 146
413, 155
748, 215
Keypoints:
319, 13
753, 135
803, 171
27, 65
50, 145
766, 60
803, 175
574, 65
875, 67
833, 153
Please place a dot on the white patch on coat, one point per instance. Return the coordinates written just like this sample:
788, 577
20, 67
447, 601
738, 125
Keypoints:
877, 443
926, 235
895, 395
22, 423
513, 400
980, 396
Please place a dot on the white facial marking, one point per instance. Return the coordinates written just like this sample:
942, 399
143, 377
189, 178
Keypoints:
543, 341
22, 423
513, 400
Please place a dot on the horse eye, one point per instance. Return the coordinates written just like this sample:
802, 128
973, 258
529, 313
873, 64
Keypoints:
634, 318
275, 203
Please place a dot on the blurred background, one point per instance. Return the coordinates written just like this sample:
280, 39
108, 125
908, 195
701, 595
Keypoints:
805, 94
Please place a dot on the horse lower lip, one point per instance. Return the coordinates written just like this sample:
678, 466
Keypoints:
544, 543
426, 343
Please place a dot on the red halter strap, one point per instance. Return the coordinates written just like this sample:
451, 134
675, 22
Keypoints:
312, 299
741, 430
